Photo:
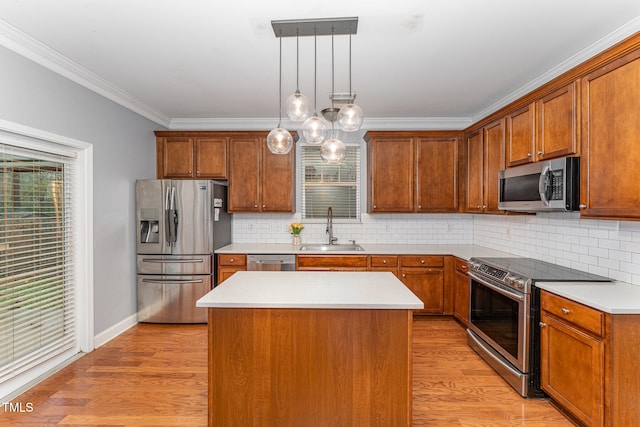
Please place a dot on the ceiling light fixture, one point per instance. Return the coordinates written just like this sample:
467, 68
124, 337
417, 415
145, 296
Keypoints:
279, 139
314, 129
350, 117
297, 104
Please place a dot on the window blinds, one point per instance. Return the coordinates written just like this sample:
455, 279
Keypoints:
325, 185
36, 260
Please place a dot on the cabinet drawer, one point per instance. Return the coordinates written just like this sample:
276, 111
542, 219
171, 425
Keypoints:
384, 261
421, 261
587, 318
232, 259
332, 261
460, 265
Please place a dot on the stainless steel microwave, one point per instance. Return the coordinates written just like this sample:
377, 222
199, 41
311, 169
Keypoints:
551, 185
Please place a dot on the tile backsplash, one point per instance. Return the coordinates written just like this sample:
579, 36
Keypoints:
609, 248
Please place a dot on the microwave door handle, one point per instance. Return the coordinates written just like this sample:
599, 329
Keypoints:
543, 184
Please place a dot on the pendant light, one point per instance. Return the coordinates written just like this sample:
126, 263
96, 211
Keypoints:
279, 139
350, 116
297, 104
314, 128
333, 151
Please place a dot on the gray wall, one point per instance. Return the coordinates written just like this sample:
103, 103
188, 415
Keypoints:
123, 150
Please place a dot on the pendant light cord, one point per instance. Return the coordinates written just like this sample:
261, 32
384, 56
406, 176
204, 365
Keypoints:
280, 85
350, 91
297, 61
315, 73
333, 90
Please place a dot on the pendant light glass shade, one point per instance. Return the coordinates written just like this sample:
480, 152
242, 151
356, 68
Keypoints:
314, 129
297, 106
333, 151
350, 117
279, 141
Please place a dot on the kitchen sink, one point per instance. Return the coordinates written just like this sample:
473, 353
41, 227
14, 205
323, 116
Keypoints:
331, 248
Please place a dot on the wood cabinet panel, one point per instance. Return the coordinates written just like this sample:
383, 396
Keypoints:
521, 136
494, 161
572, 369
421, 261
244, 174
277, 180
475, 173
461, 291
587, 318
428, 285
332, 262
228, 264
610, 176
211, 157
437, 174
178, 157
558, 128
391, 174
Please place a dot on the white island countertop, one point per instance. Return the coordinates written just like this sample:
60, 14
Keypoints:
610, 297
319, 290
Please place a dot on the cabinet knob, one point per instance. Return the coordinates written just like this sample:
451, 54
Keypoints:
542, 324
479, 206
255, 206
231, 260
264, 206
528, 154
384, 261
198, 173
419, 206
404, 275
375, 206
189, 172
421, 261
484, 207
540, 152
565, 310
582, 206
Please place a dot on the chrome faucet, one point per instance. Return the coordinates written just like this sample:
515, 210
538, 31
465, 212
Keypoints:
329, 230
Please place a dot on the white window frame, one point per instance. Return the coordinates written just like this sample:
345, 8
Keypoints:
362, 183
34, 139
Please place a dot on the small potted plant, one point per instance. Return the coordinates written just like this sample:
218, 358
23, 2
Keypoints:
295, 228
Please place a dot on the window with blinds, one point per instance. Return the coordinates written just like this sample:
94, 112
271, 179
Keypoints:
36, 262
325, 185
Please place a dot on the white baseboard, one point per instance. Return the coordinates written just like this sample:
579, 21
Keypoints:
104, 337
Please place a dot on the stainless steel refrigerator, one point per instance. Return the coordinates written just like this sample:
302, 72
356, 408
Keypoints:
179, 225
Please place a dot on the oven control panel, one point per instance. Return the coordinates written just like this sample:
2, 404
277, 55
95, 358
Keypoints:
510, 279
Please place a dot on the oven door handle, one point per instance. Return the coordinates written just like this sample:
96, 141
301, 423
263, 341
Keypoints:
506, 293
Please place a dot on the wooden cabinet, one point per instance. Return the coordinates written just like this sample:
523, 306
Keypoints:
384, 263
424, 275
413, 172
229, 264
461, 291
610, 181
544, 129
191, 155
259, 181
521, 136
485, 158
588, 361
313, 262
391, 162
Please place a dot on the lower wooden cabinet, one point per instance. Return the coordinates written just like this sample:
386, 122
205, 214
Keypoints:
589, 362
314, 262
424, 276
461, 291
229, 264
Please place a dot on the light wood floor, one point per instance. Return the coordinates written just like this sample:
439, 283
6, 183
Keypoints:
156, 375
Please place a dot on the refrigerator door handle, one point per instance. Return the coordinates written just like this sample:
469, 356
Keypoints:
169, 261
171, 282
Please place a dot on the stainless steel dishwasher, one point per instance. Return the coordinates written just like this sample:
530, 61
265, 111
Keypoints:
271, 262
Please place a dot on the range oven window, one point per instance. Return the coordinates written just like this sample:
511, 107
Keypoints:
496, 315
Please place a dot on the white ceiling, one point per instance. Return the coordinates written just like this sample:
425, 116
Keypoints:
214, 64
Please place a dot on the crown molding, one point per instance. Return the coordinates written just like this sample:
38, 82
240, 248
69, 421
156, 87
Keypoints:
30, 48
378, 123
599, 46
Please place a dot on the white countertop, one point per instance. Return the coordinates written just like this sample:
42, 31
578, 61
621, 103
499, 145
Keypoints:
461, 251
610, 297
322, 290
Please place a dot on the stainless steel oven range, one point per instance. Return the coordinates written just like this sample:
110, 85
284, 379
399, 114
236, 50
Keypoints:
504, 315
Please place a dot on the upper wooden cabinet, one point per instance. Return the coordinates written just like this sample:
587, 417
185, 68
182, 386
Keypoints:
544, 129
413, 172
259, 181
485, 158
610, 181
191, 155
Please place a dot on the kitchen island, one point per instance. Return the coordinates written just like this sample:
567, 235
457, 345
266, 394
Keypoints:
310, 348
